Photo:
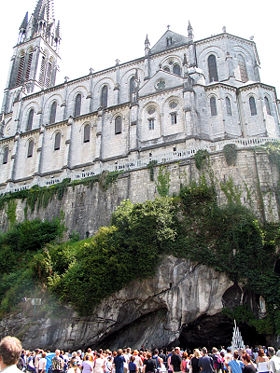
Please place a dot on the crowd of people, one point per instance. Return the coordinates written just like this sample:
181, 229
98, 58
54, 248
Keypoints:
14, 359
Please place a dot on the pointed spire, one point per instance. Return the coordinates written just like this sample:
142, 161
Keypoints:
24, 22
147, 45
22, 29
190, 31
42, 22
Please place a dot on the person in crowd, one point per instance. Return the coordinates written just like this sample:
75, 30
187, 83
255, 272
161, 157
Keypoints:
227, 358
37, 358
194, 367
109, 364
262, 361
205, 362
57, 362
99, 363
158, 359
74, 367
87, 364
249, 366
175, 360
217, 359
235, 365
10, 351
31, 361
274, 361
138, 361
119, 360
185, 362
131, 365
42, 363
149, 364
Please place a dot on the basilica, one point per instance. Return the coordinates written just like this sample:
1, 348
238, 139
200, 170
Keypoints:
181, 95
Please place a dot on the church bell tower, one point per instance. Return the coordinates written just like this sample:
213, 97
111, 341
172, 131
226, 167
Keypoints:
34, 63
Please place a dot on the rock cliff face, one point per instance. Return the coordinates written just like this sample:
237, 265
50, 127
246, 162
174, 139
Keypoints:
153, 312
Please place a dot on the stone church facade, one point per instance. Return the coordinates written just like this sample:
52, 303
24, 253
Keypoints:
180, 96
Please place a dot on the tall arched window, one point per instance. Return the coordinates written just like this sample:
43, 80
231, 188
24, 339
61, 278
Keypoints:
28, 67
30, 120
267, 105
30, 149
53, 112
87, 133
20, 69
242, 68
213, 106
212, 68
118, 124
228, 106
57, 141
5, 154
48, 74
253, 107
104, 96
176, 69
42, 70
77, 108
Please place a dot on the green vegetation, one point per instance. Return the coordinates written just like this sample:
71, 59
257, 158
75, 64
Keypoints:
41, 196
18, 248
163, 181
201, 158
230, 152
191, 225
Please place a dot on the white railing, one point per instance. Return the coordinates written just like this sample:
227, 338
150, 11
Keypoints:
129, 165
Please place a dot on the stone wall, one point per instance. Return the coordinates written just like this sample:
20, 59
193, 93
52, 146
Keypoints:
87, 208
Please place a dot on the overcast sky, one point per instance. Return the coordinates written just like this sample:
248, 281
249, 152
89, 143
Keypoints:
96, 33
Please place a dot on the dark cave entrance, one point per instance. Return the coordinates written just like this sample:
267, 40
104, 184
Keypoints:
216, 331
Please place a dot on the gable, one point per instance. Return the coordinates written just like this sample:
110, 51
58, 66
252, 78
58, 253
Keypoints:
169, 40
161, 81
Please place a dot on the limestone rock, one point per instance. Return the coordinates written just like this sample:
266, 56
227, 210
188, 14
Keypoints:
147, 313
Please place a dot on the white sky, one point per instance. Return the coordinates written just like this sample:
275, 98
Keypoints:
96, 33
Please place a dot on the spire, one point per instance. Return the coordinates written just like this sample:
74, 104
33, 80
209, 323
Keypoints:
190, 31
24, 22
41, 22
22, 29
147, 45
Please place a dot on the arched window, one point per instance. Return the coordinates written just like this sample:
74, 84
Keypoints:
212, 68
28, 67
118, 124
213, 106
57, 141
77, 108
5, 155
228, 106
53, 112
104, 96
30, 149
48, 74
173, 118
267, 105
253, 107
87, 133
242, 68
42, 70
20, 69
30, 120
176, 69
